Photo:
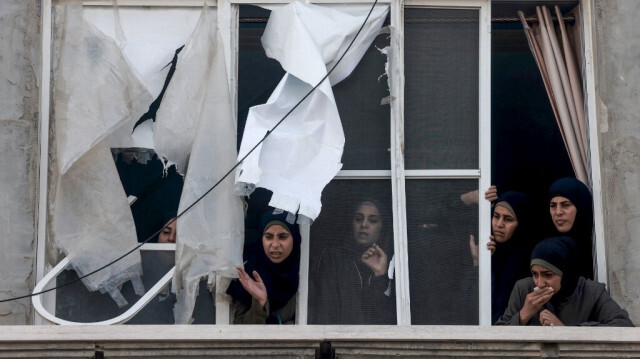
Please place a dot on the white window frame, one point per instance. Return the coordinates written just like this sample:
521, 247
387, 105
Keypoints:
228, 11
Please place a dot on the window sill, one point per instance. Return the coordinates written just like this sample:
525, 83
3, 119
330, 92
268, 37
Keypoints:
134, 341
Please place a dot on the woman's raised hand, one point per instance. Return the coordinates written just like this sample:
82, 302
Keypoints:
533, 303
473, 247
255, 287
491, 245
376, 259
491, 194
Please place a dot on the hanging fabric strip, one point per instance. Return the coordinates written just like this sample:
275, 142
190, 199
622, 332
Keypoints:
303, 154
95, 93
195, 130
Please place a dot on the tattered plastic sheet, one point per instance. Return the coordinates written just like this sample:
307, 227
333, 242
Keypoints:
95, 93
195, 130
303, 154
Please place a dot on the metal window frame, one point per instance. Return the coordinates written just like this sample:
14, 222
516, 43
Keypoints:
228, 18
484, 165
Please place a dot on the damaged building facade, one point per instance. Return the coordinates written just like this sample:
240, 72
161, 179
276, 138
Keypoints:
435, 101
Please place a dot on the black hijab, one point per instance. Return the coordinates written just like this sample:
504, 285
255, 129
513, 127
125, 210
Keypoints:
510, 261
280, 279
582, 229
559, 255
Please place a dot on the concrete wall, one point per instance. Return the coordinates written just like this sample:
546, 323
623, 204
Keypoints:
618, 81
618, 78
19, 97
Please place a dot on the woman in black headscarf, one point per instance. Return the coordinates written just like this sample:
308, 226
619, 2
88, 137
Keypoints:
351, 284
571, 209
556, 295
265, 290
511, 247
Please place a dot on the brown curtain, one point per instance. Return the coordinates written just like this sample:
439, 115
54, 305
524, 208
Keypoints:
555, 53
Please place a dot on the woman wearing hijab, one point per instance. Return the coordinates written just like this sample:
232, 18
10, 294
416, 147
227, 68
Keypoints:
556, 295
351, 284
571, 209
510, 246
265, 291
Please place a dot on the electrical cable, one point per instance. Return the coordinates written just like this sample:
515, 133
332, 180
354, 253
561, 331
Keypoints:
217, 183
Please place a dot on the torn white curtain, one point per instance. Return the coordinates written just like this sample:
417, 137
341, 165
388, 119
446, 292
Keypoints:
554, 55
195, 124
94, 94
303, 154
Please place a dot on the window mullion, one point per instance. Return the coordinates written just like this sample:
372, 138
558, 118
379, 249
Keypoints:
484, 143
396, 79
43, 188
586, 9
228, 25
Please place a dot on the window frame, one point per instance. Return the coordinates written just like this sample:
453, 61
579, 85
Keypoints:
228, 17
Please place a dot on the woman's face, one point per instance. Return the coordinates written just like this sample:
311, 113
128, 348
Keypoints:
503, 224
367, 224
277, 243
544, 277
563, 213
168, 233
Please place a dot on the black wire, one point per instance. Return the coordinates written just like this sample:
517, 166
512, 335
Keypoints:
217, 183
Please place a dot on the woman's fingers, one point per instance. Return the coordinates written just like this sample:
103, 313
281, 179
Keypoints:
257, 277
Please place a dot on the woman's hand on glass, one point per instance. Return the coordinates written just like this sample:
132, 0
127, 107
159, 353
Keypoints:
255, 287
491, 245
376, 259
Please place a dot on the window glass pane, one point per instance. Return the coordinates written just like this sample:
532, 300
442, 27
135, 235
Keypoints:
157, 193
441, 88
443, 280
342, 288
75, 303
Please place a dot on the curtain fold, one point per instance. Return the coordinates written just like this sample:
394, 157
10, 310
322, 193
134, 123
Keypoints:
554, 54
195, 129
94, 94
303, 154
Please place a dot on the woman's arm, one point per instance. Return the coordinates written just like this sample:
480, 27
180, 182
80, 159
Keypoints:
324, 292
606, 312
253, 314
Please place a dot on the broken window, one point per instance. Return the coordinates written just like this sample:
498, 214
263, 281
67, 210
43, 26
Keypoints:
415, 117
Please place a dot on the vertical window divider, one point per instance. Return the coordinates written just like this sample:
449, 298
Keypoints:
396, 77
586, 11
228, 26
43, 168
484, 209
302, 303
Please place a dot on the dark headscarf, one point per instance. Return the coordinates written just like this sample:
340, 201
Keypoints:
509, 262
280, 279
582, 229
558, 254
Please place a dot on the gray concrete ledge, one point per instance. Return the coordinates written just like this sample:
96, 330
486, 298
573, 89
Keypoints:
131, 341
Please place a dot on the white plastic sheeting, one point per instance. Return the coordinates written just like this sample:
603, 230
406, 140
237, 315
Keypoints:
303, 154
195, 130
95, 93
